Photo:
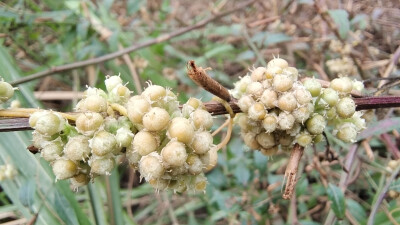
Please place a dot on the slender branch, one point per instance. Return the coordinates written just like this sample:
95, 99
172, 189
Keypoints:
200, 77
132, 48
381, 196
291, 171
15, 123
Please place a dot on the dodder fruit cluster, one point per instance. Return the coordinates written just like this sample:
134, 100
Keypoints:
172, 147
169, 146
278, 110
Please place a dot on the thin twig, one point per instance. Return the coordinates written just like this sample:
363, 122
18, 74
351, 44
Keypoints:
291, 171
200, 77
382, 194
132, 48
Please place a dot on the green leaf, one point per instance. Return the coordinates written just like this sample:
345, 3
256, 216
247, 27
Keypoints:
380, 127
274, 38
341, 19
115, 197
260, 161
27, 193
336, 197
356, 209
242, 173
395, 185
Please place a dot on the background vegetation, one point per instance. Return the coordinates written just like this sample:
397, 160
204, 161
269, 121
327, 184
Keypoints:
245, 187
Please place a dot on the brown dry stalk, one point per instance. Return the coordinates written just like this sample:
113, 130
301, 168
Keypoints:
200, 77
291, 171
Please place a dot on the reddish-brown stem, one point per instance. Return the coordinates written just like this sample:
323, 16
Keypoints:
377, 102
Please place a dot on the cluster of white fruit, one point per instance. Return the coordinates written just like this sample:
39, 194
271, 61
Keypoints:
173, 146
169, 146
278, 110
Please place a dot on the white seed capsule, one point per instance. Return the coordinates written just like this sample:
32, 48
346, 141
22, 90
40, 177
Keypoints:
267, 84
200, 183
103, 143
6, 91
346, 107
269, 98
159, 184
255, 89
278, 62
154, 93
144, 143
282, 82
304, 139
313, 86
15, 104
101, 166
358, 121
202, 119
358, 85
202, 142
136, 107
210, 159
342, 85
89, 123
330, 96
295, 130
285, 121
52, 150
347, 132
287, 102
259, 74
150, 166
273, 71
285, 140
119, 94
195, 164
64, 168
269, 123
266, 140
178, 171
112, 82
92, 103
318, 138
156, 119
292, 71
301, 114
47, 122
242, 84
39, 140
257, 111
77, 148
174, 154
124, 137
181, 129
79, 180
316, 124
245, 102
331, 113
270, 151
249, 139
191, 105
303, 96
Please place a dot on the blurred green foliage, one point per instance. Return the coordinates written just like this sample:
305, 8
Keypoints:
245, 187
